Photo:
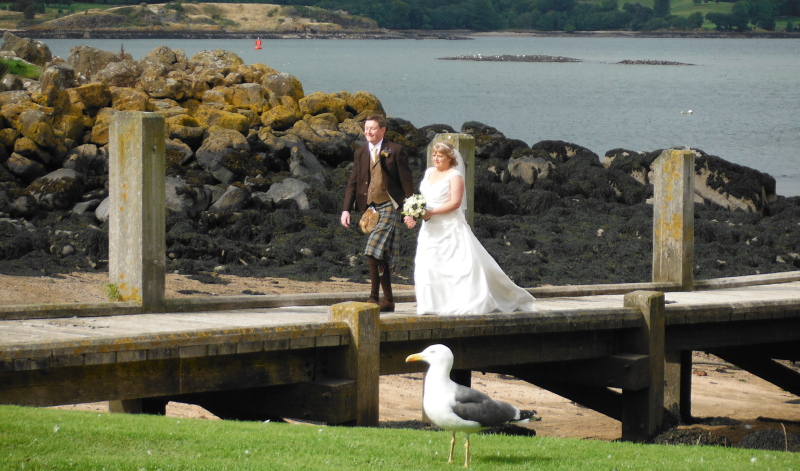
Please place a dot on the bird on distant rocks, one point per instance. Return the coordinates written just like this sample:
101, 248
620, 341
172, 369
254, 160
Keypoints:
458, 408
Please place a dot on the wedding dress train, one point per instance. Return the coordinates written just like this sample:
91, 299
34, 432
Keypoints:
454, 274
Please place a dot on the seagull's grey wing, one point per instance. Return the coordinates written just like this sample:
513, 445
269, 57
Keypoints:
478, 407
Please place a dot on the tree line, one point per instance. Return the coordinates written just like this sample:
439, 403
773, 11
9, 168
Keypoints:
527, 15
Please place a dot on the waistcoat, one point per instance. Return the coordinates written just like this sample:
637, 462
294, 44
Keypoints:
377, 192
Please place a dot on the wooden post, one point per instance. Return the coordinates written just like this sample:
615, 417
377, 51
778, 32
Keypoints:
362, 359
137, 217
673, 218
465, 144
643, 410
678, 384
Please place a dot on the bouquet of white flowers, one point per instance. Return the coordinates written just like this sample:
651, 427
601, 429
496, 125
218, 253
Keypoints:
414, 206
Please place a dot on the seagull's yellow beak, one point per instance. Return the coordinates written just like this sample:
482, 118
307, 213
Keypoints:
414, 357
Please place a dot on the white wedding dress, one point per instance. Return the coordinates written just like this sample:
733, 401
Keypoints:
454, 274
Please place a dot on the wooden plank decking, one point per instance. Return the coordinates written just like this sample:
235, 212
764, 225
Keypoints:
35, 340
199, 355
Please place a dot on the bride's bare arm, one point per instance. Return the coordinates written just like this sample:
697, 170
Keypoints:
456, 193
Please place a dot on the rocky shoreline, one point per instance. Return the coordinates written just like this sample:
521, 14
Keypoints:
256, 168
96, 33
183, 33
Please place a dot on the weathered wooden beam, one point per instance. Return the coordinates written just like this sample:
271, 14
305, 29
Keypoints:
154, 378
673, 217
597, 398
678, 383
486, 352
625, 370
643, 409
137, 213
755, 361
361, 360
712, 335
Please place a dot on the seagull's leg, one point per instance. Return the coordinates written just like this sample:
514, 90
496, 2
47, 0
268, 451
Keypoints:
466, 458
452, 446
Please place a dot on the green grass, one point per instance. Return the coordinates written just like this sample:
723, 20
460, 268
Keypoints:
680, 7
19, 68
54, 439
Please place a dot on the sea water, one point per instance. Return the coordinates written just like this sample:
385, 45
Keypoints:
738, 100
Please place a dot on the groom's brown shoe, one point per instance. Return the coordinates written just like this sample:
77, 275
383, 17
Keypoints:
387, 306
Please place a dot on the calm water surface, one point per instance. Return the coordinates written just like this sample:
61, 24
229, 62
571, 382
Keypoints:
743, 94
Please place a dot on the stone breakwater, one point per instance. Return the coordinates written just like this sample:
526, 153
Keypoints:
256, 168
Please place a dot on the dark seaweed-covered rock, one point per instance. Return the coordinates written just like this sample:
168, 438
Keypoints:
690, 436
771, 439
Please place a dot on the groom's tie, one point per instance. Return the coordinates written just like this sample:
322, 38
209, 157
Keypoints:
374, 154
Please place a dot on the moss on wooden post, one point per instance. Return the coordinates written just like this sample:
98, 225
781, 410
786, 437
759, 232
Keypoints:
643, 410
361, 361
673, 218
137, 217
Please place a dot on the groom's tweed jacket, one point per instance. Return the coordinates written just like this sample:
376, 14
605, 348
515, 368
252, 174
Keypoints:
397, 175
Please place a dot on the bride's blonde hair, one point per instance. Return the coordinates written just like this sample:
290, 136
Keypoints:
446, 148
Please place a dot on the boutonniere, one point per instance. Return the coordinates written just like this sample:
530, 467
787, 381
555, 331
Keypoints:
386, 153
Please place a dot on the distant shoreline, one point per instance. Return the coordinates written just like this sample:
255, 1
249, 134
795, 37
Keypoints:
381, 34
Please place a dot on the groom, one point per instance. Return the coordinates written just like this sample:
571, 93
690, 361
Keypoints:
382, 179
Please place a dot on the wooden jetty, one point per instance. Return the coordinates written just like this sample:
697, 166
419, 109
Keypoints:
624, 350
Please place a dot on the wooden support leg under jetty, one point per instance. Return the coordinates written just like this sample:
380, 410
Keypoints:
643, 410
361, 357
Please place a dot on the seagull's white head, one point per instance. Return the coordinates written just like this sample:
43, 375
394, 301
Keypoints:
434, 355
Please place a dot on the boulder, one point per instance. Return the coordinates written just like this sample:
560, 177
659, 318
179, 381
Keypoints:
362, 104
320, 102
322, 137
234, 199
35, 52
93, 96
489, 142
283, 115
87, 60
85, 207
528, 169
185, 199
218, 141
100, 134
54, 81
129, 99
217, 62
59, 189
283, 85
564, 151
25, 147
86, 159
101, 213
251, 96
227, 156
26, 169
290, 194
35, 125
8, 137
120, 74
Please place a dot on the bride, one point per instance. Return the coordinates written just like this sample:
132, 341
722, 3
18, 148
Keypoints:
454, 274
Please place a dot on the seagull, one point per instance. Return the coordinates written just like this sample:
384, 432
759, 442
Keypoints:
458, 408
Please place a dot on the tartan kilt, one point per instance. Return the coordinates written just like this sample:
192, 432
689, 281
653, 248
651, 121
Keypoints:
384, 241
